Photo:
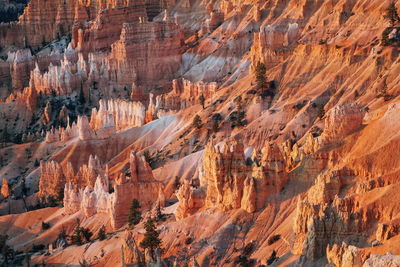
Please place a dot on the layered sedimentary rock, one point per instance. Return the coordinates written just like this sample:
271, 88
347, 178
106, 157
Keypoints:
382, 260
342, 121
344, 255
63, 79
230, 181
97, 199
106, 28
44, 21
131, 254
223, 175
191, 199
52, 179
186, 93
112, 116
126, 114
146, 53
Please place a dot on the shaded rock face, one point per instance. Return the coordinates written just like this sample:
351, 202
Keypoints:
88, 190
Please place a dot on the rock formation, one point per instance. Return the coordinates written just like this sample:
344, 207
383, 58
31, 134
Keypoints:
88, 190
161, 40
230, 181
5, 190
125, 114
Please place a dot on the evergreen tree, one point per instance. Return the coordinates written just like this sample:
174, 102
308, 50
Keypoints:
76, 237
202, 100
60, 194
102, 233
260, 70
197, 122
135, 215
392, 15
151, 237
82, 99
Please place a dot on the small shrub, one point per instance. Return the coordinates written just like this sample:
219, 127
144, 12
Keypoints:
273, 239
197, 122
391, 14
135, 215
321, 112
102, 233
45, 226
36, 248
80, 234
272, 258
202, 100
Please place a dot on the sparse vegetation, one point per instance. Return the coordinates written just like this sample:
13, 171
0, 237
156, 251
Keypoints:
80, 235
202, 100
135, 215
151, 239
391, 14
45, 226
272, 258
261, 81
244, 259
321, 111
273, 239
102, 233
237, 118
4, 248
197, 122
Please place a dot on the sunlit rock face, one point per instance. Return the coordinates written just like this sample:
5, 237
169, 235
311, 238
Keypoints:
253, 132
130, 55
88, 190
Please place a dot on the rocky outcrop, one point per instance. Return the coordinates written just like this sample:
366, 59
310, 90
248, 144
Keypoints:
131, 254
88, 190
44, 21
342, 121
186, 93
386, 231
223, 173
146, 53
105, 29
382, 260
112, 116
191, 199
5, 190
344, 255
324, 218
52, 179
126, 114
230, 181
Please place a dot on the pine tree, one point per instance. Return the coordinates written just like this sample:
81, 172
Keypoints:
82, 99
197, 122
260, 70
76, 237
135, 215
202, 100
391, 14
151, 237
102, 233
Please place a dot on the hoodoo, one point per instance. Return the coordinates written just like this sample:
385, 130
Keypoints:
199, 133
